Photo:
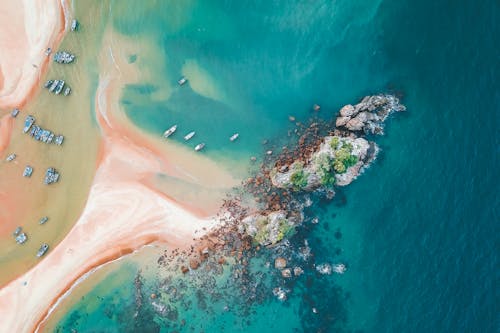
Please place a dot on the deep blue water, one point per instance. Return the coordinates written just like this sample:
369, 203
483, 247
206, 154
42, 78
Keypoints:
419, 230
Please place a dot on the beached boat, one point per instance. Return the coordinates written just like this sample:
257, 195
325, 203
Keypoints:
14, 113
199, 146
27, 123
48, 51
11, 157
43, 249
43, 220
67, 91
234, 137
182, 81
48, 84
189, 135
170, 131
28, 171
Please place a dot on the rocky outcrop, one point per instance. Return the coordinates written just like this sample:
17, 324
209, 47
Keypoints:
338, 161
368, 115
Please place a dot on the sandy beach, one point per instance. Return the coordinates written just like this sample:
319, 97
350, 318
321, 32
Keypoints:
123, 211
32, 27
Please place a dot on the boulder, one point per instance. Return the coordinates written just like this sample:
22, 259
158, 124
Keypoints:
355, 125
280, 263
347, 111
341, 121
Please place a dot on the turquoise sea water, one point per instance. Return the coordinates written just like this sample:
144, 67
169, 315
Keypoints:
418, 230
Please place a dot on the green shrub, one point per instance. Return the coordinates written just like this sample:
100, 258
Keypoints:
298, 180
350, 161
338, 166
334, 143
328, 179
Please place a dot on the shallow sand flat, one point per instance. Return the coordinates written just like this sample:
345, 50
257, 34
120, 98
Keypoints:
23, 201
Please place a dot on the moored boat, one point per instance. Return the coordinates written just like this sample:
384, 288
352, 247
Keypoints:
170, 131
28, 122
199, 146
74, 25
28, 171
189, 135
17, 231
21, 238
43, 249
59, 87
234, 137
182, 81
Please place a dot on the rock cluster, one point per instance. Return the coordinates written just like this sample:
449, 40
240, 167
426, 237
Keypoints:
369, 114
268, 229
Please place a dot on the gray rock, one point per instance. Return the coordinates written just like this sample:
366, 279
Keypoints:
341, 121
347, 111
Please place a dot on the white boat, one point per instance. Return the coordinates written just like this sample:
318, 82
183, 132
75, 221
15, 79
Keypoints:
234, 137
170, 131
189, 135
182, 80
199, 146
11, 157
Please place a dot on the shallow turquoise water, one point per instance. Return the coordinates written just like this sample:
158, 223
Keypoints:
418, 229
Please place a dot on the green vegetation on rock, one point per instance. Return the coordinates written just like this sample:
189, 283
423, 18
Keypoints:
343, 158
298, 178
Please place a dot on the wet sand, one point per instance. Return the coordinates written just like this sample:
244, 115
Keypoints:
23, 201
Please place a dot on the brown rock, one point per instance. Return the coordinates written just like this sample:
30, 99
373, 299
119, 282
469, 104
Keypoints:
194, 264
153, 296
221, 261
280, 263
184, 269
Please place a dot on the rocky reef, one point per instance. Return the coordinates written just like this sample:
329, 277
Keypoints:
318, 163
